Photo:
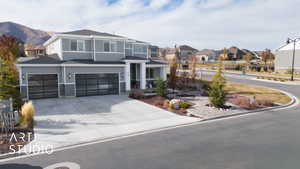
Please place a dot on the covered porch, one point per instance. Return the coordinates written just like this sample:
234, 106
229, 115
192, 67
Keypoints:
142, 74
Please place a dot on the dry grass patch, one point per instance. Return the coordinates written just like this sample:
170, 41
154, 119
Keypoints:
261, 93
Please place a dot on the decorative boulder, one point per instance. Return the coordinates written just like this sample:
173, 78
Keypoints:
175, 103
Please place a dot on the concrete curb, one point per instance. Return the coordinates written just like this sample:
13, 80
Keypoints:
294, 102
10, 156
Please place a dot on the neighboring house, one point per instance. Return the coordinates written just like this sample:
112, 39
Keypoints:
183, 53
86, 62
34, 51
284, 57
206, 55
154, 52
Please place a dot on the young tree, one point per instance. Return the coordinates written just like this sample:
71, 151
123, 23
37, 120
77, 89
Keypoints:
9, 81
161, 87
248, 57
173, 74
217, 93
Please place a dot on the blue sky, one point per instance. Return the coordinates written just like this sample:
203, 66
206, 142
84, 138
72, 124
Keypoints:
252, 24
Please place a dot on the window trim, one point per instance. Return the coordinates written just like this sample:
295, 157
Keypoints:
105, 41
110, 42
77, 42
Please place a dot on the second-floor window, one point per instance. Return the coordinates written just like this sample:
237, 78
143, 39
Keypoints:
77, 45
110, 46
140, 49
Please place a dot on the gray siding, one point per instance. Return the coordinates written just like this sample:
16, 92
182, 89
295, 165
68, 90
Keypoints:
77, 55
41, 70
82, 70
109, 56
284, 59
70, 90
122, 87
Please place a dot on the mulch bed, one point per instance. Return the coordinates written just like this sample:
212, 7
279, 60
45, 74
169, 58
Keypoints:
9, 142
159, 101
250, 104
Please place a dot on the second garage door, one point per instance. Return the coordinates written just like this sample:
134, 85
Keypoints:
97, 84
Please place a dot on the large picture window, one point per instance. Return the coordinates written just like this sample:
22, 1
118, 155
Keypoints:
77, 45
80, 45
73, 45
111, 46
106, 46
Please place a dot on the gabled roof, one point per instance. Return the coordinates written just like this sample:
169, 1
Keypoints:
87, 32
49, 59
186, 47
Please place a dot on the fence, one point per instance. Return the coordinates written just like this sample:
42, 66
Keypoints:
8, 117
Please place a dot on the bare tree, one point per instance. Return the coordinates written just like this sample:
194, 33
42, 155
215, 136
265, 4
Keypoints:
173, 73
193, 68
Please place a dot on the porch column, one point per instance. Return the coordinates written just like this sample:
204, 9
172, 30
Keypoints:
143, 75
127, 76
163, 72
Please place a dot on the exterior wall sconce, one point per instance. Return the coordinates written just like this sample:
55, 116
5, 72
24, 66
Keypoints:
69, 75
23, 76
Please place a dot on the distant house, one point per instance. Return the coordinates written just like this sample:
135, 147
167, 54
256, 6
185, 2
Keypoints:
183, 53
284, 57
206, 55
34, 51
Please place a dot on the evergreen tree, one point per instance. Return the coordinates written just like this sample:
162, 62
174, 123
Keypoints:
217, 93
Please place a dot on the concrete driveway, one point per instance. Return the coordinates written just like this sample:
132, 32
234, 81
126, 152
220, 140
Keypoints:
68, 121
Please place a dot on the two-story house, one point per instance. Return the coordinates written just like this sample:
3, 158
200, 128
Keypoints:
85, 63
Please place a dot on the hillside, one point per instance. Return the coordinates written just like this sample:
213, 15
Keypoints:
24, 33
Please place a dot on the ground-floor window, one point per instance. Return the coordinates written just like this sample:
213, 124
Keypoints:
149, 73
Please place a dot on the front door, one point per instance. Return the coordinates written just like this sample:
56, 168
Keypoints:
134, 75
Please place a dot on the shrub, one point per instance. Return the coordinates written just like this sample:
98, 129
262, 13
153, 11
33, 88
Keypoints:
166, 103
217, 93
136, 94
161, 87
27, 115
264, 103
184, 105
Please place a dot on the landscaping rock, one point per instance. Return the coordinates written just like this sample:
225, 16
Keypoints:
175, 103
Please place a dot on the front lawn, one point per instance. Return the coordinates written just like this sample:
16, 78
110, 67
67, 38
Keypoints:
261, 93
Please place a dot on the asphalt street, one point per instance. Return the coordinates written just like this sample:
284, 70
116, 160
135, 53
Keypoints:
265, 140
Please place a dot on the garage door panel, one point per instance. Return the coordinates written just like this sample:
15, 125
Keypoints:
42, 86
96, 84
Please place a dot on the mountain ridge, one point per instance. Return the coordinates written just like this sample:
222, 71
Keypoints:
24, 33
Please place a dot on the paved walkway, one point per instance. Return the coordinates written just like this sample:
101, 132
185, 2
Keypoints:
65, 122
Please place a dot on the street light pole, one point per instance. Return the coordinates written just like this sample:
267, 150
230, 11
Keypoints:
293, 63
294, 52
